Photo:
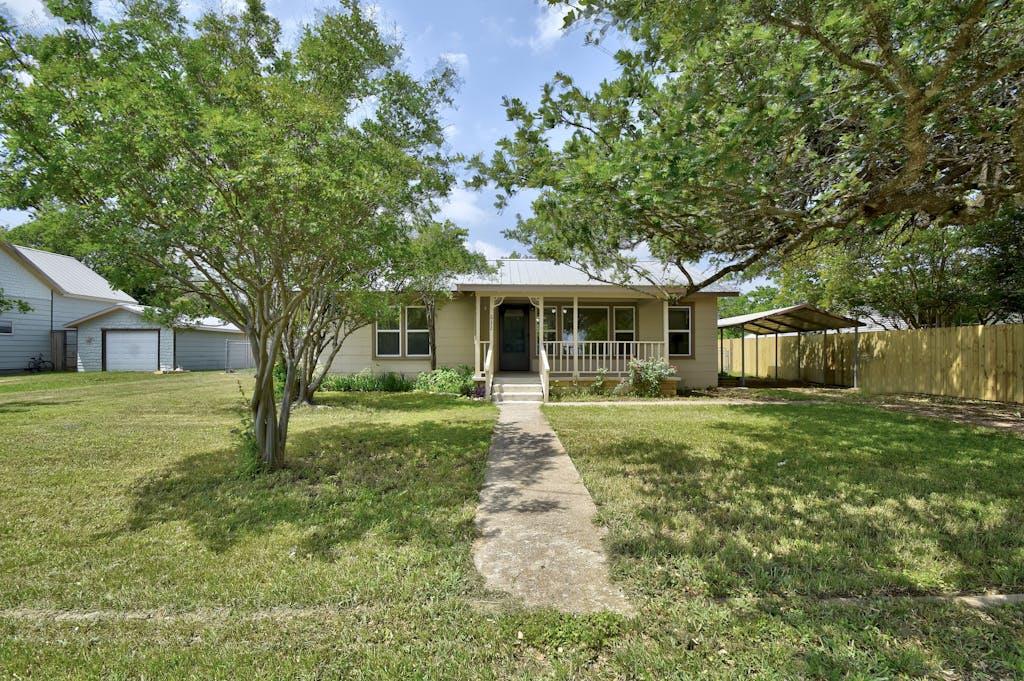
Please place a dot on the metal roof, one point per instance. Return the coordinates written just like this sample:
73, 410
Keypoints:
204, 324
528, 273
69, 276
796, 318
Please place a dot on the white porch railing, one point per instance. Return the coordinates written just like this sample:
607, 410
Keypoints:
545, 373
589, 357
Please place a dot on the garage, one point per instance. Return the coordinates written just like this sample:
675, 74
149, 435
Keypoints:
131, 350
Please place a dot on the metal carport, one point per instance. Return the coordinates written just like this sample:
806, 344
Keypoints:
799, 319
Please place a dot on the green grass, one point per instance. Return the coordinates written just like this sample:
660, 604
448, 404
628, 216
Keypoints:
120, 494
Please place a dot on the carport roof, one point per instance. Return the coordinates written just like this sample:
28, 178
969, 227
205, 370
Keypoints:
797, 318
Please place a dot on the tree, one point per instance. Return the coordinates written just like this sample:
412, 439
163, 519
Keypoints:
241, 176
758, 299
439, 255
922, 276
740, 132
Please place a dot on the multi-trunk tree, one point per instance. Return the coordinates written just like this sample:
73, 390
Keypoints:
737, 133
242, 177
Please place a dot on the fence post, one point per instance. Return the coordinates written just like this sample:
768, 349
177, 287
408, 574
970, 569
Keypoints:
856, 357
776, 356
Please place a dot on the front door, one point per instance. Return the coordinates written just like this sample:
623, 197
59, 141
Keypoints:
514, 321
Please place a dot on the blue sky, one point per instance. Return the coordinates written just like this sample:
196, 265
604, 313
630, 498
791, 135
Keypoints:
500, 47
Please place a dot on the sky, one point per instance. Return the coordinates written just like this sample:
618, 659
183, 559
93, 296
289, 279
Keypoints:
499, 47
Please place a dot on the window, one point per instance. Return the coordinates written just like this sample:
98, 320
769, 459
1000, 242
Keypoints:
417, 332
6, 327
550, 325
389, 334
680, 331
593, 323
625, 324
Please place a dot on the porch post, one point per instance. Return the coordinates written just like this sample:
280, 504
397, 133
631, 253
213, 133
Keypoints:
476, 334
575, 340
540, 338
664, 329
491, 334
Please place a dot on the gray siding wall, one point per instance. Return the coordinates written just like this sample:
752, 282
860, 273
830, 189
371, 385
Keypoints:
90, 339
203, 350
32, 329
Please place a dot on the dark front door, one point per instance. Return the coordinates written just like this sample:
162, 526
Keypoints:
515, 338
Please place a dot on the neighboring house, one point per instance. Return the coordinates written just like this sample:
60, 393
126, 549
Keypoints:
614, 324
79, 321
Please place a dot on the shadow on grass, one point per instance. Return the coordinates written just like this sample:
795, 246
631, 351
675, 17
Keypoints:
398, 482
21, 406
820, 500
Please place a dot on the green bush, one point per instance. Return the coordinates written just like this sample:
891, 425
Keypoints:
366, 382
646, 375
458, 381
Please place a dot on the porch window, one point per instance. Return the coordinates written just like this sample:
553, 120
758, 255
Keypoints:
625, 324
680, 331
417, 332
389, 334
550, 326
593, 324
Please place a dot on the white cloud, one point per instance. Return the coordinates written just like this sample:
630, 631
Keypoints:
459, 60
26, 13
488, 250
463, 208
548, 27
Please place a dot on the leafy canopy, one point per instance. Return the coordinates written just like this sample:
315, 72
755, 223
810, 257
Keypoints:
739, 132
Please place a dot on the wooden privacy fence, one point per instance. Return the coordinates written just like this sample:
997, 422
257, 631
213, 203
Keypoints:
976, 362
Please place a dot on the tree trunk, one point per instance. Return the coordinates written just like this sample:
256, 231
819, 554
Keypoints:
269, 442
431, 306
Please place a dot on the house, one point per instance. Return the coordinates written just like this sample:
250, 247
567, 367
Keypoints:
80, 322
493, 324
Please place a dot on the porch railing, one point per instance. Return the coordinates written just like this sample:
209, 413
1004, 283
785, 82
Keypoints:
589, 357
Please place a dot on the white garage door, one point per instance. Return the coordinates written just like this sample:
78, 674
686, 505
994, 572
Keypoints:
132, 350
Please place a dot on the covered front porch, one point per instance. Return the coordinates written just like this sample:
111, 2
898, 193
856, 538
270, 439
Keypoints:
576, 337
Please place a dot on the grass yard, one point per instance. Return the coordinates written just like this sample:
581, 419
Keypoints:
130, 547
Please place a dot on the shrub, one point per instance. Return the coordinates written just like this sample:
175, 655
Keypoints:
646, 375
457, 381
366, 381
599, 386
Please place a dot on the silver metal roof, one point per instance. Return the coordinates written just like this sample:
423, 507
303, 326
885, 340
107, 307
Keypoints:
525, 273
203, 324
71, 277
797, 318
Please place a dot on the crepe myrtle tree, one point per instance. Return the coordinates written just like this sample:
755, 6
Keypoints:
235, 172
736, 133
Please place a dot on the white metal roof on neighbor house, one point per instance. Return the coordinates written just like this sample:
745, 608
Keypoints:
529, 273
204, 324
69, 276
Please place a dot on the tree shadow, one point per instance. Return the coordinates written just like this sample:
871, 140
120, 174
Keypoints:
823, 501
398, 402
21, 406
401, 483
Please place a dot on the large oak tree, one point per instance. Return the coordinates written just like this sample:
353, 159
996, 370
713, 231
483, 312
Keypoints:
737, 133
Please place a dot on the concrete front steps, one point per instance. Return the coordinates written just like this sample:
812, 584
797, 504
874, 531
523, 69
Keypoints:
517, 388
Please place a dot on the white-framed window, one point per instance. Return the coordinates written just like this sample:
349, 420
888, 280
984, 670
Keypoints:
624, 323
550, 325
593, 323
680, 331
417, 332
389, 334
6, 327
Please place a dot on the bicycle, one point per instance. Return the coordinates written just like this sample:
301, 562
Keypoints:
38, 365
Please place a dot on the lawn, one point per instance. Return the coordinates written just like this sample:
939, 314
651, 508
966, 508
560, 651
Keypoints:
130, 547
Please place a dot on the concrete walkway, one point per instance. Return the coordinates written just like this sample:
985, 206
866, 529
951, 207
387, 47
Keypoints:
538, 539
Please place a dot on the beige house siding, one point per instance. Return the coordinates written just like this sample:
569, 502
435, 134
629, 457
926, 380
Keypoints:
454, 345
455, 337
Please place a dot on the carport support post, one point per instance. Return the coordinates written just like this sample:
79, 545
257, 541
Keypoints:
799, 357
824, 362
856, 357
776, 356
721, 351
743, 358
